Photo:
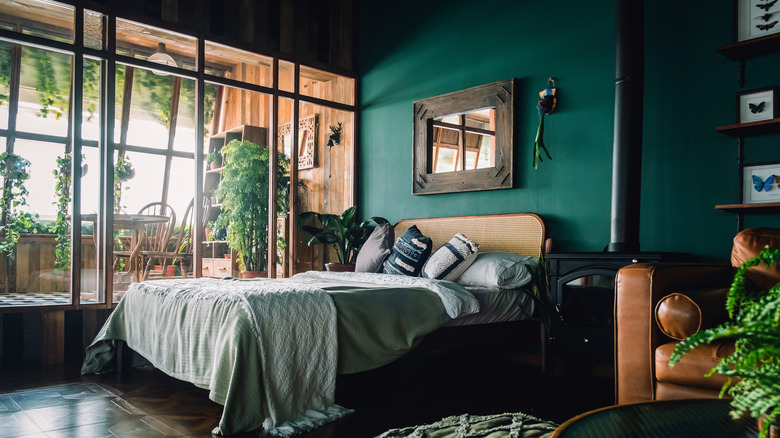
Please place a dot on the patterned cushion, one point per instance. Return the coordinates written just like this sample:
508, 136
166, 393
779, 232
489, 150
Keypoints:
409, 253
449, 261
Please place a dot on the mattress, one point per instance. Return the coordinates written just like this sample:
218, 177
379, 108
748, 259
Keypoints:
497, 305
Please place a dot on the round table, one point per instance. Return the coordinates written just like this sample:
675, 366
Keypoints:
656, 419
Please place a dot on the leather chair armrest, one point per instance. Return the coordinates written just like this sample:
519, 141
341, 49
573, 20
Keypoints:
638, 288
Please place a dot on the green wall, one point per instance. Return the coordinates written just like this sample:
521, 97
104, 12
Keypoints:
414, 50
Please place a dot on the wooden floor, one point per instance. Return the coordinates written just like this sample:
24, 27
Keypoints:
59, 402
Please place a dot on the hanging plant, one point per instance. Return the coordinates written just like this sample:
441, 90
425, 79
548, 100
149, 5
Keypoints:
52, 101
14, 197
123, 171
61, 226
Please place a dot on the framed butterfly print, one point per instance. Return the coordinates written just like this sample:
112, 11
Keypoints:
756, 105
760, 183
757, 18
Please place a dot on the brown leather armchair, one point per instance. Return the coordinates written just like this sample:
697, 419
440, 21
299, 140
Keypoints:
657, 305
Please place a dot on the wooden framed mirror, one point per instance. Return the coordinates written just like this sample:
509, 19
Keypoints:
464, 141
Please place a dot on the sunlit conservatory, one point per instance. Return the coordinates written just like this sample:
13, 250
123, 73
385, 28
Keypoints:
115, 140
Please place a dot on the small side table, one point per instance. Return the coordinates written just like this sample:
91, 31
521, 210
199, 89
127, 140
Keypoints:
665, 418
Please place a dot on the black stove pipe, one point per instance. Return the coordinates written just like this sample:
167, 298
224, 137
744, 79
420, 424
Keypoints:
627, 146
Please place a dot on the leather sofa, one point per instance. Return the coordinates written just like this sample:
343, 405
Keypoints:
657, 305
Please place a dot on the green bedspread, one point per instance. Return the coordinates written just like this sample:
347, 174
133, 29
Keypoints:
210, 340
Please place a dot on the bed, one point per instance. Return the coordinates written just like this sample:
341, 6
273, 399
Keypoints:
269, 350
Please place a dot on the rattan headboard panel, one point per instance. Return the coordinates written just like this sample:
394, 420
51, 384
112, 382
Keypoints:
522, 233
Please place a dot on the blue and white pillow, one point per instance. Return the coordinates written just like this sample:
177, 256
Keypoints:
452, 259
409, 253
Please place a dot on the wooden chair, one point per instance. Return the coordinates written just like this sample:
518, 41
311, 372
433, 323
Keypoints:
181, 245
155, 236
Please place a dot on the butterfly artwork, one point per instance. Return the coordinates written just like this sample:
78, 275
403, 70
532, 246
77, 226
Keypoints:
766, 26
763, 184
756, 107
766, 6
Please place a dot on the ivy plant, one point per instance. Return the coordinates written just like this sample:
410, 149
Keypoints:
61, 225
753, 370
14, 198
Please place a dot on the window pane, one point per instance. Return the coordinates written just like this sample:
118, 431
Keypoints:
227, 62
41, 275
90, 118
141, 41
43, 18
45, 91
184, 139
244, 116
149, 104
328, 86
94, 26
5, 78
90, 195
286, 76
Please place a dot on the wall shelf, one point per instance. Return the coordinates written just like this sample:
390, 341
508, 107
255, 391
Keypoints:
752, 48
751, 129
764, 207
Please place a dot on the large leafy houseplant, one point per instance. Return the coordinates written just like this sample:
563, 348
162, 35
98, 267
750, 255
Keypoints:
753, 370
342, 232
243, 192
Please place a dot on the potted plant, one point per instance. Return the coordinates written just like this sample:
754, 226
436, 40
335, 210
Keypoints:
214, 159
754, 367
343, 233
244, 195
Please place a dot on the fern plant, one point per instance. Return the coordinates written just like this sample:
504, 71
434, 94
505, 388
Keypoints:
753, 370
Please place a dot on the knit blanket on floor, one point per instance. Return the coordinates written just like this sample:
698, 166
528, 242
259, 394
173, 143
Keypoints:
509, 425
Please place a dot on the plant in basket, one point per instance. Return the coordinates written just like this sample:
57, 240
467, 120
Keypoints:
754, 367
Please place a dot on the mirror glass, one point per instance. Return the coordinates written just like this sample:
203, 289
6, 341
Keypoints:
475, 130
464, 141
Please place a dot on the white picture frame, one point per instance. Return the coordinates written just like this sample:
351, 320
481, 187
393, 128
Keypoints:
750, 193
756, 105
757, 18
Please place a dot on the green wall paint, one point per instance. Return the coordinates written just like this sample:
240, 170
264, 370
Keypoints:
689, 89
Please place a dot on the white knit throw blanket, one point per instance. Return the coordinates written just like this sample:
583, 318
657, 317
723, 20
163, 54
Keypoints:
295, 328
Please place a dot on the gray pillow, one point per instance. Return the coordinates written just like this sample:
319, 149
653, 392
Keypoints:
378, 246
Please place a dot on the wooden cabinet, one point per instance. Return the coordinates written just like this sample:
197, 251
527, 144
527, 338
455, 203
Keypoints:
218, 260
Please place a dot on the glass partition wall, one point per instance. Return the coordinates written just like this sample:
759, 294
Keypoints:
113, 137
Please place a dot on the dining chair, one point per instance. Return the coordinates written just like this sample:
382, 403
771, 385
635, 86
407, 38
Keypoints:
154, 236
181, 244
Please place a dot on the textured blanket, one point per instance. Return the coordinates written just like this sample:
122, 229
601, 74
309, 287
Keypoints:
512, 425
265, 349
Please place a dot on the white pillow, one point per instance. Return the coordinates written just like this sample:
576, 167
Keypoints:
506, 270
449, 261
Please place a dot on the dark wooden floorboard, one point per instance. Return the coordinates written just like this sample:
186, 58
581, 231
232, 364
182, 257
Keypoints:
58, 401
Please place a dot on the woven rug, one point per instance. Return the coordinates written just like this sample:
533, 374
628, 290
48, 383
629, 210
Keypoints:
510, 425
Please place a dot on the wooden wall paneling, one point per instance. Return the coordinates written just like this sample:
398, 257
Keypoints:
74, 348
32, 334
287, 24
52, 337
13, 339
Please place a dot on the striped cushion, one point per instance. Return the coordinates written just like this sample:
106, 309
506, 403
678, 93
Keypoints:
449, 261
409, 254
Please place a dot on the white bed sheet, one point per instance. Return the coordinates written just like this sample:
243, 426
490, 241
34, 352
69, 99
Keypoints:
497, 305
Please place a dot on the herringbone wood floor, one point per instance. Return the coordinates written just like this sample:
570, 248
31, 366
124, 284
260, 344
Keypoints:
59, 402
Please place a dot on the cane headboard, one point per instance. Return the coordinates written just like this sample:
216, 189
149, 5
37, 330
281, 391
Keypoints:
522, 233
